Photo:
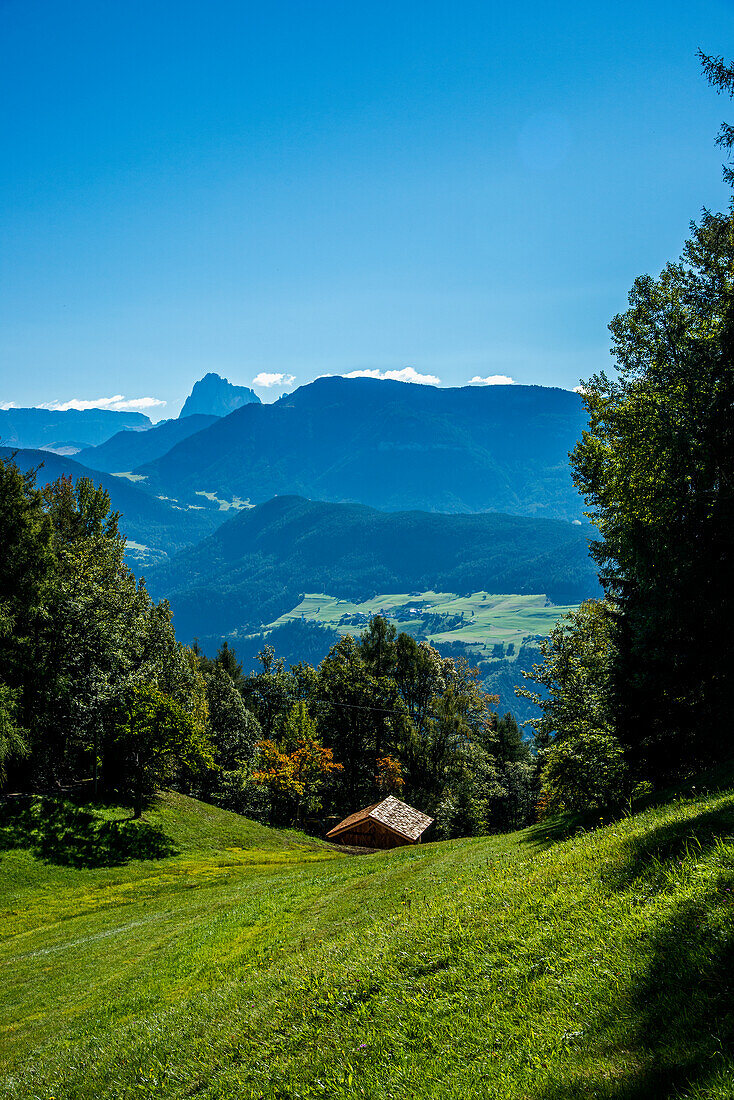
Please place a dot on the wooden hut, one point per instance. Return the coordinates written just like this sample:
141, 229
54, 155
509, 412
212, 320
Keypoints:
387, 824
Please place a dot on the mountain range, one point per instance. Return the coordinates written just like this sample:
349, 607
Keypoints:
154, 528
257, 565
78, 427
69, 431
126, 450
350, 487
391, 445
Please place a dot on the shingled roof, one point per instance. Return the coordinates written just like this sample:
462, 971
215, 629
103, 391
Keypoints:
395, 815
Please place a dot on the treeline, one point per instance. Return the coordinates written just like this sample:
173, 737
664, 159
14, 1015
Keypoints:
638, 686
93, 684
96, 693
382, 714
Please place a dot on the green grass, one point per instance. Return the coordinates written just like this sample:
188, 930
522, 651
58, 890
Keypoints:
256, 963
488, 618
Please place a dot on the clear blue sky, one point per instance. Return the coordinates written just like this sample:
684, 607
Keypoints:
309, 187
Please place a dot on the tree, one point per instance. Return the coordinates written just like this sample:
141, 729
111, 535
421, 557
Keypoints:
721, 77
510, 747
470, 789
26, 572
360, 717
377, 646
234, 730
95, 612
152, 736
296, 767
389, 775
271, 692
656, 466
233, 734
421, 674
77, 631
583, 771
27, 559
580, 757
447, 736
226, 659
13, 743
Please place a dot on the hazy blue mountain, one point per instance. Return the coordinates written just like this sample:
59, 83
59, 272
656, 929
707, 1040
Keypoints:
147, 521
126, 450
213, 395
257, 565
88, 427
391, 445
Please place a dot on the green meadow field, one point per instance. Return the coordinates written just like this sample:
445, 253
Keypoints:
487, 618
249, 962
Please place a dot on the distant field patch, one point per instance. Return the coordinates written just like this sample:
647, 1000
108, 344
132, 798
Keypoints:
482, 619
235, 504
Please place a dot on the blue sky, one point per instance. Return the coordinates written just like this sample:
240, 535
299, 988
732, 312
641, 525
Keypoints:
299, 188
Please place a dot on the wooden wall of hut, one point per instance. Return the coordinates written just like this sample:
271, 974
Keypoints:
370, 834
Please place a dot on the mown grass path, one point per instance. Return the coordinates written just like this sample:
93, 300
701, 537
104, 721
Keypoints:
521, 966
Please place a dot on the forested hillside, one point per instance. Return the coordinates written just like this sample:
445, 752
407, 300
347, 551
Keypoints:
391, 445
154, 527
256, 566
126, 450
97, 695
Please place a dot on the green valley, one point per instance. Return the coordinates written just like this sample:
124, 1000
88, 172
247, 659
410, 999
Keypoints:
481, 620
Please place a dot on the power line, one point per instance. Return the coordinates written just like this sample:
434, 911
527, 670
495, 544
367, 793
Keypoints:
360, 706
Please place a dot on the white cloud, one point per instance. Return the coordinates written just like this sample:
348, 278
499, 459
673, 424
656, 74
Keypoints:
492, 380
579, 389
407, 374
118, 403
267, 380
4, 405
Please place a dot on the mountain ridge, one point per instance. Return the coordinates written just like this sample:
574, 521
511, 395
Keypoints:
255, 566
390, 445
213, 395
127, 449
35, 428
151, 523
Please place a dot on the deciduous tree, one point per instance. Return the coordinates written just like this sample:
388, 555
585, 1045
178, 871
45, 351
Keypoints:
151, 736
296, 767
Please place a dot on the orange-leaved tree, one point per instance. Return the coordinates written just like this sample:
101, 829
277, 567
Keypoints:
296, 767
389, 775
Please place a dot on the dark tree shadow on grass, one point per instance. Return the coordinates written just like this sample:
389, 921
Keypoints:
62, 833
557, 829
661, 849
720, 778
680, 1006
682, 1013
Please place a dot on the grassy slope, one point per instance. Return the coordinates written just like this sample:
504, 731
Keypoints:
516, 966
495, 618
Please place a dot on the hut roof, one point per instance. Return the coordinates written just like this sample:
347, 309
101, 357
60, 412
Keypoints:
395, 815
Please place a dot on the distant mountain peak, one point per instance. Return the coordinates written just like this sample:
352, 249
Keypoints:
216, 396
391, 445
